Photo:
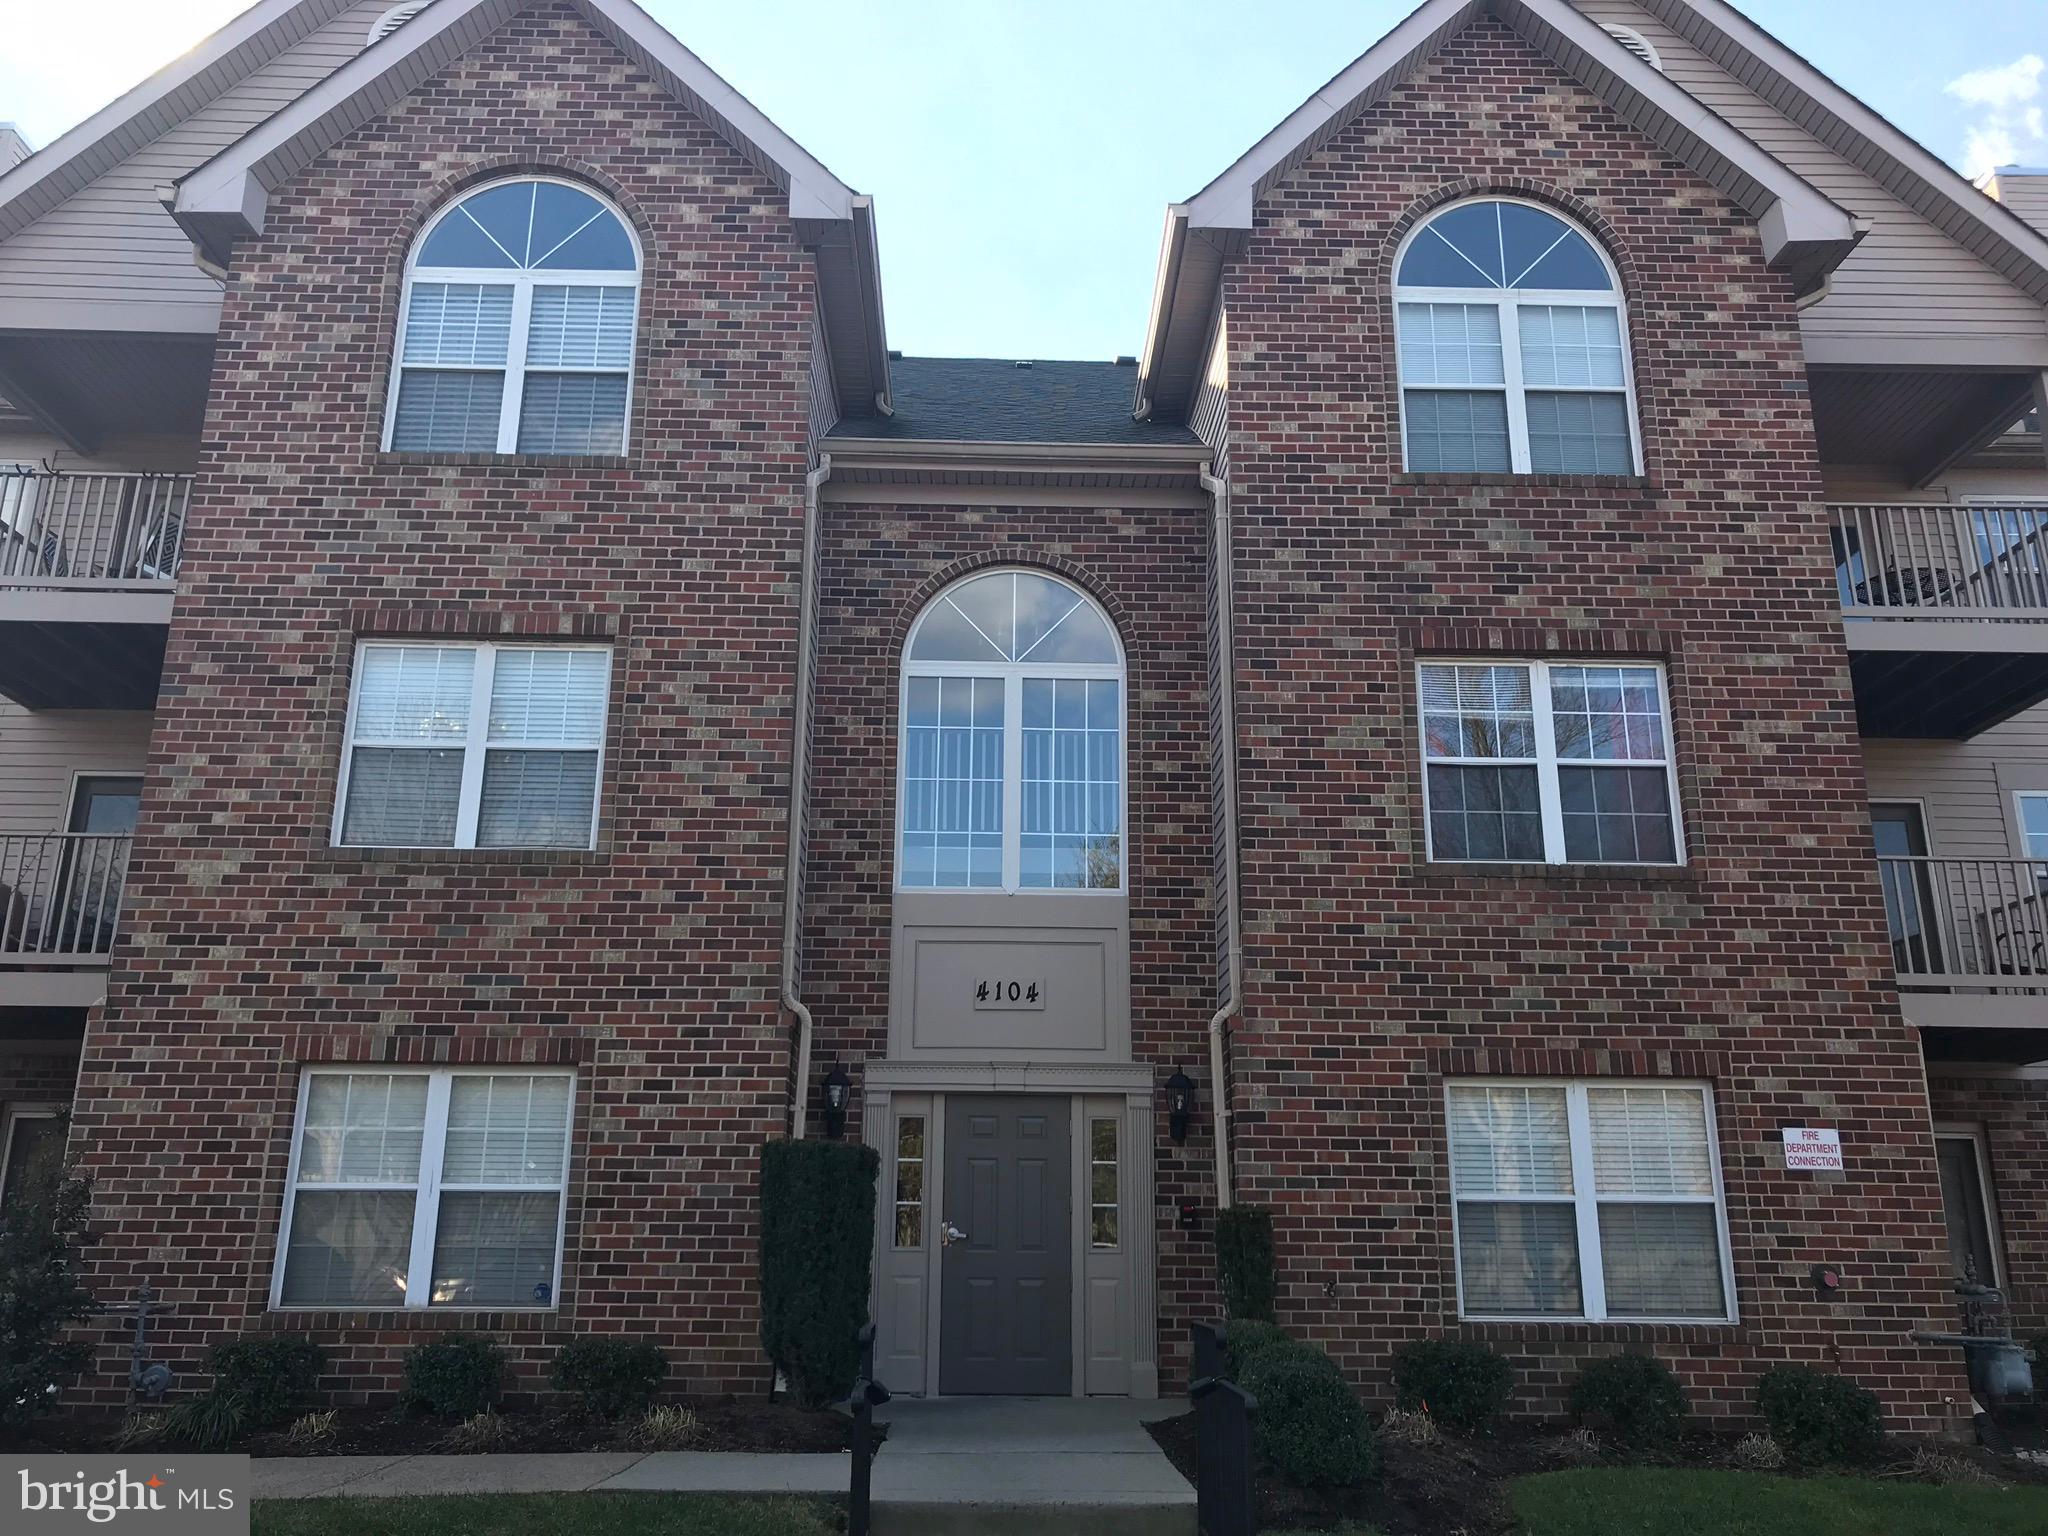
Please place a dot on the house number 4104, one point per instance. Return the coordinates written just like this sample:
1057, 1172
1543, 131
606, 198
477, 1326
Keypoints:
1007, 993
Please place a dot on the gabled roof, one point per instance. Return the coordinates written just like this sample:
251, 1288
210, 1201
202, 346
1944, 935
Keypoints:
997, 400
225, 198
1803, 232
78, 158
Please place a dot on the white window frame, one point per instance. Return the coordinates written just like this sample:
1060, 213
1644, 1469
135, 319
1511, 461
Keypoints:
1586, 1201
11, 1116
427, 1190
475, 747
1507, 301
2020, 797
1550, 797
522, 283
1013, 675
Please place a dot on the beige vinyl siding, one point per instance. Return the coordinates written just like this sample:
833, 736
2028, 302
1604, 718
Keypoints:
2026, 195
41, 750
1906, 280
112, 244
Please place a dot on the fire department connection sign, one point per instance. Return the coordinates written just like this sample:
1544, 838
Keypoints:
1813, 1151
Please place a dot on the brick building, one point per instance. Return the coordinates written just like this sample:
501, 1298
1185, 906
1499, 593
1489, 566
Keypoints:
1530, 686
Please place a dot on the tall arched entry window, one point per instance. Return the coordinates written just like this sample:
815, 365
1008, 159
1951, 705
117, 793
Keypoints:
521, 300
1012, 763
1514, 353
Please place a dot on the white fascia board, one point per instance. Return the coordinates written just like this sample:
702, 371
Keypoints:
1172, 240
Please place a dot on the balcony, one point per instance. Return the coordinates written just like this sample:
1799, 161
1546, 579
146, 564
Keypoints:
87, 566
60, 912
1970, 946
1945, 609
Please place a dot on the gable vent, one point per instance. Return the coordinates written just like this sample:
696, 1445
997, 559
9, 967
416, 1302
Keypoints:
1636, 44
393, 19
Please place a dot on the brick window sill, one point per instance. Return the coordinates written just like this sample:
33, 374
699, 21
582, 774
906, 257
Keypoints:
1569, 482
1569, 874
455, 861
431, 1319
1620, 1331
591, 461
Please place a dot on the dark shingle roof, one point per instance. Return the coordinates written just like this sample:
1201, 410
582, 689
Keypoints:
992, 400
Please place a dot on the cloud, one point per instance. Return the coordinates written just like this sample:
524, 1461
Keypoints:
2007, 123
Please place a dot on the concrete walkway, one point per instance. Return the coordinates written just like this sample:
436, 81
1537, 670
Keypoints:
971, 1466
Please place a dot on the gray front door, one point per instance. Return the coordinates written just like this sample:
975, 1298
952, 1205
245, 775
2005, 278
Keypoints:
1006, 1292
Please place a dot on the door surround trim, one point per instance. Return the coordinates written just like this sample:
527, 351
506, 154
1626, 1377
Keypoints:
1133, 1082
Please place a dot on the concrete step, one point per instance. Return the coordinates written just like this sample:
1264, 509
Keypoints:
1034, 1518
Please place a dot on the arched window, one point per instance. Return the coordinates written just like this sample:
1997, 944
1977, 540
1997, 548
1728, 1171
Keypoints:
1012, 750
1513, 346
517, 336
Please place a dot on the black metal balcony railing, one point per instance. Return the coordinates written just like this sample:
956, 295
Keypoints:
91, 530
60, 897
1977, 923
1942, 562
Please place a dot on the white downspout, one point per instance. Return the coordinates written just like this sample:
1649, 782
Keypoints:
799, 794
1226, 640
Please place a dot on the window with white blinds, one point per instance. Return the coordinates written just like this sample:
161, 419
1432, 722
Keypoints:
517, 330
419, 1189
1540, 762
473, 746
1596, 1200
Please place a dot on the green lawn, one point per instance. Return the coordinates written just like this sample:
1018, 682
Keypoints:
544, 1514
1638, 1501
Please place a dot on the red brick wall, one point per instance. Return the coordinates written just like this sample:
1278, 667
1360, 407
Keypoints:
879, 565
651, 962
1371, 977
2012, 1112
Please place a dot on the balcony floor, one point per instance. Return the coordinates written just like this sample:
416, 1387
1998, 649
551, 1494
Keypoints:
1936, 693
106, 653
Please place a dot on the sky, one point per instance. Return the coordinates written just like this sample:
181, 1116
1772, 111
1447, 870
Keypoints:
1021, 154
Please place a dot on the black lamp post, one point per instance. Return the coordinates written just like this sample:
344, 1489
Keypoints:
1180, 1104
837, 1088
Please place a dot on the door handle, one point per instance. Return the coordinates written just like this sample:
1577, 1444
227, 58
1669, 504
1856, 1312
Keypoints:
950, 1234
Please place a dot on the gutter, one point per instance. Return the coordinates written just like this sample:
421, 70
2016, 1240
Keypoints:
1226, 626
799, 793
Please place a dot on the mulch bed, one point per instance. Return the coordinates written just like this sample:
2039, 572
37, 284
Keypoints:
1460, 1486
725, 1424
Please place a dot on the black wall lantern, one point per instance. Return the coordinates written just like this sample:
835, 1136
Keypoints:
1180, 1104
837, 1089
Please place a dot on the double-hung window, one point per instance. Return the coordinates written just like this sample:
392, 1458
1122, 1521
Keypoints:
426, 1189
521, 302
1544, 762
1513, 346
473, 746
1595, 1200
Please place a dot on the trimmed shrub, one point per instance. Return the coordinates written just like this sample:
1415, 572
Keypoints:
1464, 1386
455, 1377
614, 1377
1245, 1339
1244, 1262
1818, 1416
210, 1420
1634, 1397
273, 1375
42, 1242
1310, 1425
817, 1239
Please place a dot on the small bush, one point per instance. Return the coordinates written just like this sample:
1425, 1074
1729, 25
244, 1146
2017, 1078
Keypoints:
484, 1431
310, 1431
1410, 1426
273, 1374
1464, 1386
668, 1428
1635, 1397
817, 1241
1244, 1339
210, 1420
1818, 1416
1575, 1448
615, 1378
1758, 1453
1310, 1426
1244, 1262
1937, 1465
43, 1236
142, 1426
456, 1377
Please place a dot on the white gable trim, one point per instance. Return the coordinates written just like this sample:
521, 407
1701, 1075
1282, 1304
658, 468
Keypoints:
227, 197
